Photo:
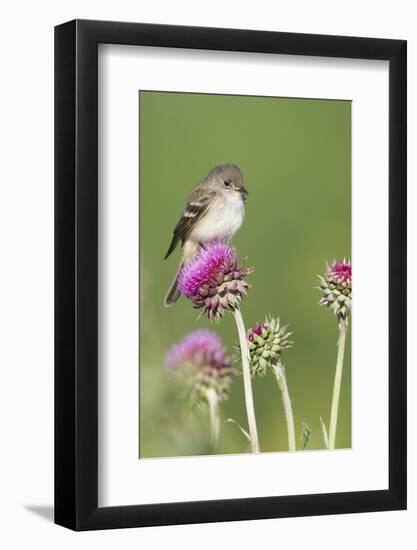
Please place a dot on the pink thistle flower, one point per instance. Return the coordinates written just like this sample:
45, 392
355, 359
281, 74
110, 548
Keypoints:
336, 287
202, 359
342, 270
201, 347
256, 331
213, 281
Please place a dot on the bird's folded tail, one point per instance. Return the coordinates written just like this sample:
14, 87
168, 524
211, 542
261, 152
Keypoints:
173, 293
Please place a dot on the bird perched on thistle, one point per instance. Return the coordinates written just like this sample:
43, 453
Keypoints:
214, 211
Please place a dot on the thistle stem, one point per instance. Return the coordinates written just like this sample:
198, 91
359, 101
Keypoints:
213, 403
324, 432
279, 371
247, 383
337, 383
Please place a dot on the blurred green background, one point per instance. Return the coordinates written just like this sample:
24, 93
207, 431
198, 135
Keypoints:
295, 155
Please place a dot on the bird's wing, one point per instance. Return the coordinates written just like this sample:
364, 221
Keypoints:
198, 204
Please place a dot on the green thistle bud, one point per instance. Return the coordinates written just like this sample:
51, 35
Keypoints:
336, 286
267, 341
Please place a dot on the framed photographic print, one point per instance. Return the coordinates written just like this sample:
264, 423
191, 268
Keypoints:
216, 359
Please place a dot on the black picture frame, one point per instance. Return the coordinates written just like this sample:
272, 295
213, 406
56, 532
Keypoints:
76, 272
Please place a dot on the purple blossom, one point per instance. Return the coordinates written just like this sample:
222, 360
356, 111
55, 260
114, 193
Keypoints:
213, 280
201, 348
202, 359
203, 267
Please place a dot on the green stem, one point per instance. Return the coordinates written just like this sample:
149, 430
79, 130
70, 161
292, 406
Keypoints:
247, 382
279, 371
213, 403
324, 432
337, 383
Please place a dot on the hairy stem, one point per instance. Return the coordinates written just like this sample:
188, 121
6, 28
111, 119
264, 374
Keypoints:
247, 382
279, 371
337, 383
213, 403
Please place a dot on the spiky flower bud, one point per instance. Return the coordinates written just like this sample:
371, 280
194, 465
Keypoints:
213, 280
201, 359
267, 341
336, 286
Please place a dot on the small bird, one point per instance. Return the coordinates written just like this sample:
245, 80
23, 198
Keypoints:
214, 212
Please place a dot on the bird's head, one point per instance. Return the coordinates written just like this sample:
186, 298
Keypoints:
228, 178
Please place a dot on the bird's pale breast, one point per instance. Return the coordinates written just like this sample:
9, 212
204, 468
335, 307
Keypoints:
222, 220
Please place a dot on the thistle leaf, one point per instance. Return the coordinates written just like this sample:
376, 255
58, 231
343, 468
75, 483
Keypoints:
245, 433
305, 436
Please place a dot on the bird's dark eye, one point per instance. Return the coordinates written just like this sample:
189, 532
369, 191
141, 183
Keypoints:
227, 183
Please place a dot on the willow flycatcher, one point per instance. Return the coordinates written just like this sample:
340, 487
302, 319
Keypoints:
214, 212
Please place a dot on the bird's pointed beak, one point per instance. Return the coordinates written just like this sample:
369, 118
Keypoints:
244, 192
